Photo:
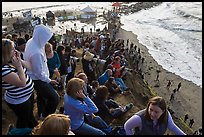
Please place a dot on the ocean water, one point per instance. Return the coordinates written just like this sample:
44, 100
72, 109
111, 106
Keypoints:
171, 31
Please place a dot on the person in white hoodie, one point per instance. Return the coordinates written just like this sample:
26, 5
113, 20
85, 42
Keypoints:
47, 97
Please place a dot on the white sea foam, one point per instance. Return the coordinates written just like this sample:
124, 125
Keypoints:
173, 35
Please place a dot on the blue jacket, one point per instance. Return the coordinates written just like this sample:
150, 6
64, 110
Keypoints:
103, 78
76, 110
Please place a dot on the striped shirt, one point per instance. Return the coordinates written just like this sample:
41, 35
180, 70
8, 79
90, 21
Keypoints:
14, 94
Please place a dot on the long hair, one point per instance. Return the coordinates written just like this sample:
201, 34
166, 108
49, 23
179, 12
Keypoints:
160, 102
53, 124
102, 92
73, 86
6, 50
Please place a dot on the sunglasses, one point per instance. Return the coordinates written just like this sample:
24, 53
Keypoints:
6, 43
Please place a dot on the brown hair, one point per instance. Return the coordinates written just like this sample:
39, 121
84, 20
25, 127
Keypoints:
53, 124
102, 92
160, 102
6, 50
73, 86
117, 58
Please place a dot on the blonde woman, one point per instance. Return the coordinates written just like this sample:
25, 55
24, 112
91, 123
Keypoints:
53, 60
18, 86
54, 124
80, 107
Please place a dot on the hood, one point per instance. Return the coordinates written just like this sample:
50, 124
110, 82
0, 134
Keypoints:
41, 35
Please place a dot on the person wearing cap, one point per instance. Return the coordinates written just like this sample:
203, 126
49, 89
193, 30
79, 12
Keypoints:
21, 46
87, 64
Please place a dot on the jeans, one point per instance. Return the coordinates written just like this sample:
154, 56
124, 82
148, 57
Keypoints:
120, 82
93, 126
47, 98
24, 113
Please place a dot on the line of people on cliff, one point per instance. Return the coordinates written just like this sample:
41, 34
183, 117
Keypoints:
85, 108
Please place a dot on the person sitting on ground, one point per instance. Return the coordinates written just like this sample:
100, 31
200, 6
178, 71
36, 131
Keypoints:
80, 107
108, 109
105, 76
108, 73
153, 120
88, 66
113, 88
54, 124
117, 72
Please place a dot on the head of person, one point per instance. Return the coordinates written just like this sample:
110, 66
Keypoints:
157, 109
61, 50
83, 76
111, 80
27, 37
41, 35
109, 72
95, 84
53, 124
73, 52
117, 59
48, 48
68, 50
8, 51
14, 37
21, 42
74, 85
102, 92
9, 36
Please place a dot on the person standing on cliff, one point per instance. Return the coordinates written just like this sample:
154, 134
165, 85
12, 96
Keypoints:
191, 123
168, 85
185, 117
157, 79
179, 86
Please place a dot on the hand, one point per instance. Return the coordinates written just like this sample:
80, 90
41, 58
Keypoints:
16, 61
80, 94
54, 82
18, 54
122, 108
93, 116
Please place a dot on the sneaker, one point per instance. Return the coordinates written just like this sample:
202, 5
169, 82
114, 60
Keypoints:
128, 107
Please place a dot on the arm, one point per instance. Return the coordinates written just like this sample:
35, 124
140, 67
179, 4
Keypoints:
133, 122
58, 64
26, 64
173, 127
37, 61
18, 79
88, 106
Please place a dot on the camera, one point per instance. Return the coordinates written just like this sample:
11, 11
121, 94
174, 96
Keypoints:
58, 87
100, 61
75, 58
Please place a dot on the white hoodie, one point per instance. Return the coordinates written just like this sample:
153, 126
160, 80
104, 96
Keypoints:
35, 53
